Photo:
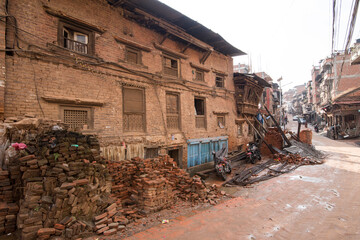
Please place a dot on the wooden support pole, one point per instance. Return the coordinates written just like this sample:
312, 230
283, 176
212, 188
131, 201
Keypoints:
299, 127
279, 128
261, 125
262, 137
264, 119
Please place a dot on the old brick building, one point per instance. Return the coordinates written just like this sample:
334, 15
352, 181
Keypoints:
144, 77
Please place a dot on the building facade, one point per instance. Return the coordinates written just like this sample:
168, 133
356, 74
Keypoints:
143, 77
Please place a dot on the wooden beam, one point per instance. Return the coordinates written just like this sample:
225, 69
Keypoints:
262, 138
185, 48
164, 38
205, 56
75, 101
170, 51
279, 128
261, 125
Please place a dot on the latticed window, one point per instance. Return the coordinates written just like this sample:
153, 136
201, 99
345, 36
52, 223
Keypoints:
171, 66
77, 118
239, 129
133, 55
199, 75
134, 110
172, 111
76, 38
200, 121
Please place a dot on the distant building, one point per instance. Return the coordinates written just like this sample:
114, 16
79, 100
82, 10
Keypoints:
241, 68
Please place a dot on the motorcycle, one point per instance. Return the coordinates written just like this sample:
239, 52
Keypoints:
252, 153
316, 128
222, 166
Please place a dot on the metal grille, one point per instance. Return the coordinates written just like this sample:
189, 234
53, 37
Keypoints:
76, 118
133, 122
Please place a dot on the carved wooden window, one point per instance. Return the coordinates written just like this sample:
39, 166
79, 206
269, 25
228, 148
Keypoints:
76, 38
133, 55
219, 81
172, 111
250, 130
133, 110
199, 75
200, 120
77, 117
171, 66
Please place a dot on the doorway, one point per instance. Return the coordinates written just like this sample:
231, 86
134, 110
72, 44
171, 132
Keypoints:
175, 154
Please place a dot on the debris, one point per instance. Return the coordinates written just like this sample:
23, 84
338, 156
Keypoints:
165, 221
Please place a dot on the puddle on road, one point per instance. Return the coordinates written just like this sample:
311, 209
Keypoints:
307, 179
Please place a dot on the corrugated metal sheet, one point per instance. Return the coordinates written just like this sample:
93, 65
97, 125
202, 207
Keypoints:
200, 150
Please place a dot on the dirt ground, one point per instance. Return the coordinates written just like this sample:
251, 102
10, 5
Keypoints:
313, 202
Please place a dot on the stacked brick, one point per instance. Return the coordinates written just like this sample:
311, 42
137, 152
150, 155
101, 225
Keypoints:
63, 180
306, 136
143, 186
273, 138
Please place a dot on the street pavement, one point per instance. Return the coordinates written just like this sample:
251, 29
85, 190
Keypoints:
313, 202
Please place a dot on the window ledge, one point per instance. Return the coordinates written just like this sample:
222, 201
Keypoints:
75, 101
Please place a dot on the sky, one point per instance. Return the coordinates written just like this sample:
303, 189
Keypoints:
283, 38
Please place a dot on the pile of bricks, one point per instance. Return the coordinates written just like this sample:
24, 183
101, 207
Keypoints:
292, 159
143, 186
306, 136
62, 182
273, 138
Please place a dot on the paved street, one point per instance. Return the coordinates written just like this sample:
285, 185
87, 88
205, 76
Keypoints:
313, 202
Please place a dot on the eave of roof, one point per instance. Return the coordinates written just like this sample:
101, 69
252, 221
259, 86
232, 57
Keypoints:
260, 80
199, 31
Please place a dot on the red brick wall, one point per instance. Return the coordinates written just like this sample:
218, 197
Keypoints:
30, 76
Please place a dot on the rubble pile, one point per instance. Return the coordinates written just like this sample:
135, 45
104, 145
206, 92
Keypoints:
61, 181
273, 138
143, 186
292, 159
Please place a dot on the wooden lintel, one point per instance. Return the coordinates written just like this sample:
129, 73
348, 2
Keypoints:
219, 72
164, 38
75, 101
205, 69
63, 16
185, 48
170, 51
205, 56
132, 43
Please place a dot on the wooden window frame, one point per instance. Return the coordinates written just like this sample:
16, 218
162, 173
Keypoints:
166, 56
222, 81
174, 114
76, 28
202, 74
219, 116
197, 117
143, 113
240, 127
133, 50
90, 115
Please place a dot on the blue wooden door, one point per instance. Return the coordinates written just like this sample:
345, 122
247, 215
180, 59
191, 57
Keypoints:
200, 150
